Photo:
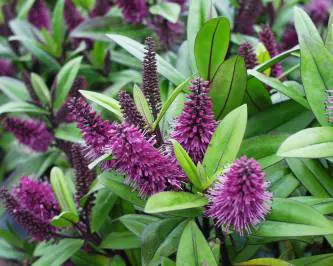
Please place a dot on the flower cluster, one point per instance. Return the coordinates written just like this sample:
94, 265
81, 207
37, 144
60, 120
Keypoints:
196, 125
32, 133
319, 10
39, 15
240, 198
32, 205
248, 13
246, 51
134, 11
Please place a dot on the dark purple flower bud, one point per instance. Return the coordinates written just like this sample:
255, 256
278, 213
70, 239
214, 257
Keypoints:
246, 51
37, 197
32, 133
248, 13
39, 15
130, 112
240, 198
83, 175
319, 11
147, 170
6, 68
134, 11
94, 129
169, 33
289, 37
38, 227
72, 16
266, 36
101, 8
150, 84
196, 125
66, 147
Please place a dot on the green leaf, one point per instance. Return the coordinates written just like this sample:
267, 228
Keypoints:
21, 107
14, 89
214, 38
100, 159
121, 240
309, 143
167, 262
160, 239
48, 162
142, 105
187, 165
69, 132
62, 192
65, 81
312, 173
85, 259
228, 86
199, 12
112, 182
322, 260
226, 141
41, 55
57, 254
58, 22
64, 219
41, 88
285, 186
106, 102
169, 11
138, 50
137, 223
193, 248
324, 206
172, 201
329, 36
279, 86
291, 218
24, 9
264, 261
9, 252
104, 202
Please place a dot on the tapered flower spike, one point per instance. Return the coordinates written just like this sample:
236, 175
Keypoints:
101, 8
83, 175
130, 112
94, 129
150, 85
32, 133
32, 205
246, 51
319, 11
39, 15
6, 68
266, 36
248, 13
289, 37
196, 125
134, 11
72, 16
240, 199
147, 170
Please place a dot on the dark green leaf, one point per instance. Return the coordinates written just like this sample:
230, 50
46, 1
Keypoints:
137, 223
121, 240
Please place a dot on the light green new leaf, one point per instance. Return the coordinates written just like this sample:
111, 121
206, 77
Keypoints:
41, 88
65, 80
309, 143
214, 38
225, 143
193, 248
142, 105
264, 261
173, 201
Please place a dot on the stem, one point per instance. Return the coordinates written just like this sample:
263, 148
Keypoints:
224, 253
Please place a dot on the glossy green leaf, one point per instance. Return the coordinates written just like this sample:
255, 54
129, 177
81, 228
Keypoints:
14, 89
68, 132
322, 260
167, 262
41, 88
279, 86
169, 11
193, 248
142, 105
106, 102
64, 219
114, 183
172, 201
285, 186
323, 205
309, 143
24, 9
214, 38
21, 107
65, 79
57, 254
137, 223
121, 240
225, 143
62, 192
137, 50
264, 261
228, 86
58, 22
104, 201
160, 239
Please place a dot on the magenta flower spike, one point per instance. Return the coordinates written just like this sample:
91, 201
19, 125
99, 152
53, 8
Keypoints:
32, 133
134, 11
196, 125
39, 15
319, 11
72, 16
248, 13
246, 51
101, 8
240, 199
